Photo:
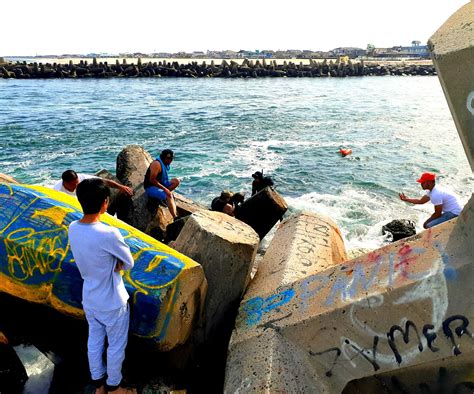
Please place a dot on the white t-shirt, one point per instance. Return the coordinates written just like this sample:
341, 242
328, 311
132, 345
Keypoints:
59, 185
96, 248
450, 203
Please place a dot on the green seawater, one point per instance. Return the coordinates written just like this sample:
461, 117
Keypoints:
224, 130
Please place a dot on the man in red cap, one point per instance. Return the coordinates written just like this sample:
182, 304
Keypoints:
445, 203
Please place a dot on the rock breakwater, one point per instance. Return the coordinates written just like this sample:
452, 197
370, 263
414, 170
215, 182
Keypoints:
232, 69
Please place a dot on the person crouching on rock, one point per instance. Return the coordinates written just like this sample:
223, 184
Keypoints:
223, 203
70, 179
157, 183
260, 182
446, 204
237, 200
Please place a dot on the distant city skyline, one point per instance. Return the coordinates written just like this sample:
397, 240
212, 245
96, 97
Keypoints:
150, 27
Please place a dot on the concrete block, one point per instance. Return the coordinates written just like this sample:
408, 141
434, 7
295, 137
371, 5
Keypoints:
226, 248
132, 163
119, 202
166, 289
186, 206
146, 214
398, 306
262, 211
452, 50
302, 245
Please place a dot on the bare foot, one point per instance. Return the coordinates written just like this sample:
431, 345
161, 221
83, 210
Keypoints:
100, 390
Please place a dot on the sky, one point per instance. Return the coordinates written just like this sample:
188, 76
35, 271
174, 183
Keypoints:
55, 27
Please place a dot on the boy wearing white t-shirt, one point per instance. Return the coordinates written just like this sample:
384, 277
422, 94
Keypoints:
445, 203
100, 253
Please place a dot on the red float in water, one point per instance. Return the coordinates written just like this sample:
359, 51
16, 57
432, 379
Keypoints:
345, 152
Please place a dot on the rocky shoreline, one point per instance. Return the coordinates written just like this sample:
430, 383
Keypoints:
232, 69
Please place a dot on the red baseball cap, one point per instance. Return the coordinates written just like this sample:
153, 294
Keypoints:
426, 176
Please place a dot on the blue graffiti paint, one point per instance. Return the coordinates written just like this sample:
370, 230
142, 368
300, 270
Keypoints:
307, 293
340, 286
359, 277
448, 270
34, 252
255, 308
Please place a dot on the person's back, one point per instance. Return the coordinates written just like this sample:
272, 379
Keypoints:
441, 196
223, 203
97, 248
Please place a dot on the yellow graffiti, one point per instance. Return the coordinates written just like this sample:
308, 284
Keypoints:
56, 214
7, 185
154, 263
29, 251
41, 294
166, 310
33, 253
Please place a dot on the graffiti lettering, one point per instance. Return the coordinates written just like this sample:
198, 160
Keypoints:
306, 292
363, 352
349, 281
256, 307
339, 286
271, 324
405, 336
371, 355
360, 278
430, 337
28, 253
460, 331
333, 349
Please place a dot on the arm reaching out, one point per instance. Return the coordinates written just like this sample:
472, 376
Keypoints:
421, 200
124, 189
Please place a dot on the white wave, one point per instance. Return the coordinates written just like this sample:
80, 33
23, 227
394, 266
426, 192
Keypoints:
256, 156
360, 214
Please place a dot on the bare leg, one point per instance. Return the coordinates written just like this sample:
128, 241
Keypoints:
174, 184
171, 206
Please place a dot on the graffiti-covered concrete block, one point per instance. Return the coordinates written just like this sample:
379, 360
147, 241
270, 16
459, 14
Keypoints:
303, 244
166, 288
226, 249
395, 307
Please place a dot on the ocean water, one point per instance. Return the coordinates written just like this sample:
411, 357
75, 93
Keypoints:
224, 130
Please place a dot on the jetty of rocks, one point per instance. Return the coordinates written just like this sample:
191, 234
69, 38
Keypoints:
231, 69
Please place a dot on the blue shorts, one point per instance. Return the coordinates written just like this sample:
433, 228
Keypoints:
157, 193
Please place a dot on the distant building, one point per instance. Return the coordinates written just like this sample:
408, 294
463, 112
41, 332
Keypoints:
352, 52
414, 51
